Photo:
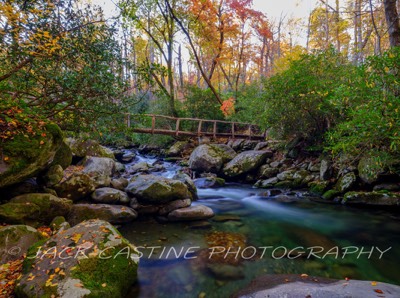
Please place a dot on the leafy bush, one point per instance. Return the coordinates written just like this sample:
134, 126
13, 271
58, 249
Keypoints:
373, 124
305, 100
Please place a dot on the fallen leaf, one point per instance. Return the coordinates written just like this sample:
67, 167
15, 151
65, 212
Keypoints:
373, 283
104, 285
304, 275
78, 285
378, 291
41, 142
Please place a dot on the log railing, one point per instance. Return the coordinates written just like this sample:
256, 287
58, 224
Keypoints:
167, 125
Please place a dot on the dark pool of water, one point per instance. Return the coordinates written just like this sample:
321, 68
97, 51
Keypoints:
243, 215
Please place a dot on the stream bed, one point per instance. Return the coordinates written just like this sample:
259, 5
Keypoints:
253, 234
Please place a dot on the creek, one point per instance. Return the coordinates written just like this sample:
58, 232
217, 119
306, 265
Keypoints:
253, 234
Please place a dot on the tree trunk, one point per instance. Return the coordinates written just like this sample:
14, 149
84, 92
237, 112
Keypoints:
392, 20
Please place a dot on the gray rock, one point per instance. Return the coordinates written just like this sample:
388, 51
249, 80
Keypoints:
140, 167
209, 182
173, 206
246, 162
107, 195
53, 175
100, 169
286, 175
325, 170
262, 146
150, 189
128, 157
387, 186
346, 182
75, 187
85, 263
83, 148
177, 148
301, 175
114, 214
119, 183
267, 172
275, 164
119, 167
34, 209
249, 145
16, 240
236, 144
369, 171
102, 166
198, 212
267, 183
339, 289
371, 198
210, 158
189, 183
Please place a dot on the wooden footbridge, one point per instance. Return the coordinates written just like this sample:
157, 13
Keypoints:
192, 127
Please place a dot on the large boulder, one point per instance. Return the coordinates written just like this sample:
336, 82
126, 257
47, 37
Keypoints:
34, 209
82, 148
369, 170
100, 169
63, 156
15, 241
371, 198
112, 213
246, 162
346, 182
151, 189
75, 187
177, 148
325, 172
26, 157
188, 182
198, 212
52, 176
210, 158
108, 195
90, 259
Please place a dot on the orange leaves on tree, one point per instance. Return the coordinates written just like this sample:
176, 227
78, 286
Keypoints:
228, 107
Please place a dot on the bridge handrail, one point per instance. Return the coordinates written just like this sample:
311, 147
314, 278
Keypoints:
199, 133
191, 119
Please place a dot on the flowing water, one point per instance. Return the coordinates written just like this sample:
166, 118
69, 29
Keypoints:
197, 258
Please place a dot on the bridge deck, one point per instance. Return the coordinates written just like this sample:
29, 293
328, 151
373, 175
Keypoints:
198, 127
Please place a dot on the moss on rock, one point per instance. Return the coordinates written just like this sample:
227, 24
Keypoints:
28, 156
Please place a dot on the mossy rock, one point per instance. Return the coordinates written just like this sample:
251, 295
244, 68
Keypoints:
63, 156
210, 158
114, 214
346, 182
75, 187
246, 162
83, 148
318, 187
371, 198
15, 241
27, 157
151, 189
369, 170
52, 176
34, 209
330, 194
105, 267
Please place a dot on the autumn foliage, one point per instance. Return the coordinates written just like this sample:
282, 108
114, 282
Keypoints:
228, 107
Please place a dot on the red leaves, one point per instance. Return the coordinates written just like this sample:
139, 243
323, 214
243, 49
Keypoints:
9, 273
228, 107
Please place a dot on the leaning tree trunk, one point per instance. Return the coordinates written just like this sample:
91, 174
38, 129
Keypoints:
393, 23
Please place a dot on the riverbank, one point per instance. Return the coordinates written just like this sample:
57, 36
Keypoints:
187, 233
